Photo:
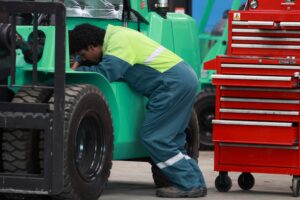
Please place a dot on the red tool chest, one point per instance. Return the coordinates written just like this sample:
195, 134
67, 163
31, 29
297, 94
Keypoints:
256, 126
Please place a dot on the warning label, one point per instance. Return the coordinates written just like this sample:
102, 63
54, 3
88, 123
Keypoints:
236, 16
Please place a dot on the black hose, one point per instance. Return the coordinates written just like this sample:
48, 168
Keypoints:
5, 39
25, 46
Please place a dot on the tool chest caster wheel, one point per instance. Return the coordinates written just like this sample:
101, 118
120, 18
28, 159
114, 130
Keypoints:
246, 181
223, 182
295, 186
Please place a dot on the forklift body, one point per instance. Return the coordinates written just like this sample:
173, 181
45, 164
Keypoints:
61, 129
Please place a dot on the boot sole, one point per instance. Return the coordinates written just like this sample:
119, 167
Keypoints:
184, 194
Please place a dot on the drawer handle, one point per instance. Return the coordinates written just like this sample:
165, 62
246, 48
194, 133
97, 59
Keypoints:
259, 146
265, 46
244, 100
259, 89
252, 66
262, 112
241, 30
252, 123
253, 23
295, 24
260, 78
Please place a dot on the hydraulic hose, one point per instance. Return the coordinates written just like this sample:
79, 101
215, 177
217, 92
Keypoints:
26, 47
5, 39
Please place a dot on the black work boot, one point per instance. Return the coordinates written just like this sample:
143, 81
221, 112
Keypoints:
174, 192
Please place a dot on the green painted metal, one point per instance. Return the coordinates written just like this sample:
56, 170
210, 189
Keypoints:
177, 32
185, 39
141, 6
208, 52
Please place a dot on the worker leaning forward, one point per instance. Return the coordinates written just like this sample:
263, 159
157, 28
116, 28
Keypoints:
122, 54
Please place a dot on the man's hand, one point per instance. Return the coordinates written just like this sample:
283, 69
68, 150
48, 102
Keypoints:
75, 65
76, 62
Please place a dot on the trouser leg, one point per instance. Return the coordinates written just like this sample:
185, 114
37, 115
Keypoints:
169, 110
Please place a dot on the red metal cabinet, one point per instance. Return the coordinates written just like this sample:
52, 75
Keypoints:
256, 125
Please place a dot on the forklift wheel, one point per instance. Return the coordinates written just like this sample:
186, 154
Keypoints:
246, 181
192, 144
205, 109
223, 183
88, 143
295, 186
20, 148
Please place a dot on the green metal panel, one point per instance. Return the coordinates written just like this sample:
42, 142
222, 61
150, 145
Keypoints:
185, 39
160, 30
141, 6
179, 34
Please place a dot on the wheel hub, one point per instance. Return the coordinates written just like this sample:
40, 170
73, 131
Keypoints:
90, 147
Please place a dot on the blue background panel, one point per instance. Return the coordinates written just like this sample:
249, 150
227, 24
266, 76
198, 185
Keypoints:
219, 7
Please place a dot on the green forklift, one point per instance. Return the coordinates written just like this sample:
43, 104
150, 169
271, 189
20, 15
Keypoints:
60, 129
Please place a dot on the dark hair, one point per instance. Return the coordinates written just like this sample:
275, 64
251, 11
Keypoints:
85, 35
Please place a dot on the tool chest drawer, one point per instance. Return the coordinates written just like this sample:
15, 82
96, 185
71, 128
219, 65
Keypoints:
266, 93
263, 34
260, 115
255, 68
259, 69
253, 103
258, 155
255, 132
255, 81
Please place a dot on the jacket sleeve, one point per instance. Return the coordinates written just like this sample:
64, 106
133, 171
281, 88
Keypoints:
113, 68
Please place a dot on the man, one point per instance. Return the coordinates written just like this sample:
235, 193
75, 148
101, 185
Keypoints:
170, 84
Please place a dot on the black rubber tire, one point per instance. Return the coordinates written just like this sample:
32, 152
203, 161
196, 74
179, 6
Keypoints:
87, 114
20, 147
223, 183
295, 186
192, 144
192, 137
246, 181
20, 152
205, 109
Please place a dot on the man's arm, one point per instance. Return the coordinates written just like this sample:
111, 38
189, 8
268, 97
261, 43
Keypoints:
113, 68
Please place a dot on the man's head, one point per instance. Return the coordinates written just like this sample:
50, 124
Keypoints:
86, 40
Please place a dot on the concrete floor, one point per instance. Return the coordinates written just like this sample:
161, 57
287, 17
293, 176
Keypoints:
133, 181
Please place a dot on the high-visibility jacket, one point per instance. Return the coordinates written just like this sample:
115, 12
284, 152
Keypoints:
135, 48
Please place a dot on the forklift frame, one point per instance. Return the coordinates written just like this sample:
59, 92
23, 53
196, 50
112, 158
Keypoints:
17, 115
